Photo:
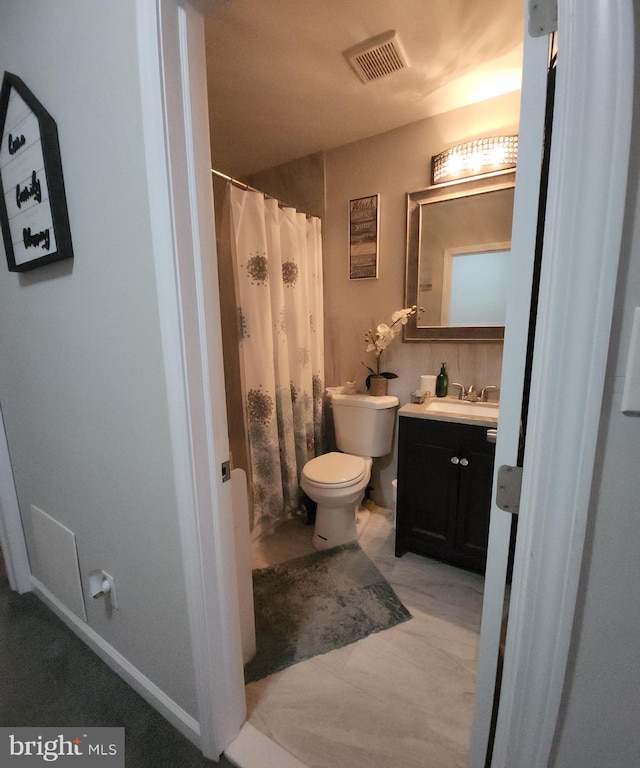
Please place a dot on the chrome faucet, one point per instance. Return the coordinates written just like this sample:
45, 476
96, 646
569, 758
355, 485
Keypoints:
462, 393
483, 393
466, 393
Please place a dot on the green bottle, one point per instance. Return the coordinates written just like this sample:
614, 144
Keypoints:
442, 382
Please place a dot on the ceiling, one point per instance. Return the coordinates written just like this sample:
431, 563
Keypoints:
280, 88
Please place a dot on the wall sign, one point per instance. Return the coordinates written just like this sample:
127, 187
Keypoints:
363, 237
33, 210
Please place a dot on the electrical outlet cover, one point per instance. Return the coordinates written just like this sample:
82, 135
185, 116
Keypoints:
112, 597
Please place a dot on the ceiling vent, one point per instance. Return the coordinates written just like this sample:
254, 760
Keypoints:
377, 57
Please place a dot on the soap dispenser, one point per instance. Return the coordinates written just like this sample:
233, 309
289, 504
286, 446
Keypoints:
442, 382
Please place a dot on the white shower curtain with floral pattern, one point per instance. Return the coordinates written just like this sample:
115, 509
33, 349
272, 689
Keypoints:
277, 254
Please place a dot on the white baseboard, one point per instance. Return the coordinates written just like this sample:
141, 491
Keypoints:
158, 699
252, 749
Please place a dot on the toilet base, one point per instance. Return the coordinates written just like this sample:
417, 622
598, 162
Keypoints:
362, 520
338, 525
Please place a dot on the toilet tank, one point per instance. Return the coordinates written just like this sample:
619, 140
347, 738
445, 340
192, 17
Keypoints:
364, 424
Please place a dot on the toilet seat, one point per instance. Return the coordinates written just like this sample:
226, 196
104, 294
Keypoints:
335, 470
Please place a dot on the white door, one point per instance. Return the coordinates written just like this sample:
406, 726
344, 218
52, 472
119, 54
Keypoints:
531, 135
583, 227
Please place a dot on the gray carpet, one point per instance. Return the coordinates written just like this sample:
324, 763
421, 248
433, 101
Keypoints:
48, 677
316, 603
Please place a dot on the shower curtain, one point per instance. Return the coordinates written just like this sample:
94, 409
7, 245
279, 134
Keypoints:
277, 255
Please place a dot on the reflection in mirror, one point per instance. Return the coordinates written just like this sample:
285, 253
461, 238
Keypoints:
474, 286
459, 246
458, 243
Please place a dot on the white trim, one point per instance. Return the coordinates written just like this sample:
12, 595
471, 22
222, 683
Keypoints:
587, 188
202, 341
525, 208
252, 749
204, 506
173, 712
12, 541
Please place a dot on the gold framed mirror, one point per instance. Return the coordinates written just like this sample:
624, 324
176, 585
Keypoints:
458, 245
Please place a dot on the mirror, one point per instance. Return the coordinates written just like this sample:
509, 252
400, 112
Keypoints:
458, 245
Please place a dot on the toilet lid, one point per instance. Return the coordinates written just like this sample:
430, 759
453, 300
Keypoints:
337, 469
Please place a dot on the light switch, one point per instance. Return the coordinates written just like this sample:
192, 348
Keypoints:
631, 392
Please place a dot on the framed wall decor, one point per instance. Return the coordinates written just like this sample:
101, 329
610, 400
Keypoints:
364, 226
33, 209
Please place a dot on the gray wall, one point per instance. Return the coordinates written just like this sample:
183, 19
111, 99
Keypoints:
393, 164
299, 183
81, 372
599, 722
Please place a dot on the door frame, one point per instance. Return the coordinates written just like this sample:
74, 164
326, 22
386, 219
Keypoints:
581, 249
579, 272
172, 71
523, 243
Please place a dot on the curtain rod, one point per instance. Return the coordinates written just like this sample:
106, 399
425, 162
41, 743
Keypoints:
249, 188
237, 183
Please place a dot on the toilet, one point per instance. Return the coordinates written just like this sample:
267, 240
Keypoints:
337, 481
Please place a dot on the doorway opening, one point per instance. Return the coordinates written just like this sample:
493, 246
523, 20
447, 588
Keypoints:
446, 602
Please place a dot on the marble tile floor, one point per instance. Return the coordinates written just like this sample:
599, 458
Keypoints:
402, 698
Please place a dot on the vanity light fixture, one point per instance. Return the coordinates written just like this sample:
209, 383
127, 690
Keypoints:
475, 158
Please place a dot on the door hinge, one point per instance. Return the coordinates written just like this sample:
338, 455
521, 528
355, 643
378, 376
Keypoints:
543, 17
508, 488
226, 471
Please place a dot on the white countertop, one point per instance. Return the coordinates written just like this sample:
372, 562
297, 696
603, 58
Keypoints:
452, 409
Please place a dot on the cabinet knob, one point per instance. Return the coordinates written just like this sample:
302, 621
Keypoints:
464, 462
455, 460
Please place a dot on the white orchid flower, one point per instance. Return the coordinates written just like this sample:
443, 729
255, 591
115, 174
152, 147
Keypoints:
403, 315
385, 333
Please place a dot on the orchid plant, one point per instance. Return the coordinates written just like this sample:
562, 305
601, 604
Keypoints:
384, 334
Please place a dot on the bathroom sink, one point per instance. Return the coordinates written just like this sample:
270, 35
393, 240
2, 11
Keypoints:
463, 408
451, 409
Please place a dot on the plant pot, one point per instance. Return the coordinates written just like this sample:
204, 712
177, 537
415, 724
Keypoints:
378, 386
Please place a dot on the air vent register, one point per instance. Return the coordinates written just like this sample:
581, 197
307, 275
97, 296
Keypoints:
377, 57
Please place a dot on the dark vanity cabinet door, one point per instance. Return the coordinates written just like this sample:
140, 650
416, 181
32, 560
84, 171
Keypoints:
474, 501
445, 472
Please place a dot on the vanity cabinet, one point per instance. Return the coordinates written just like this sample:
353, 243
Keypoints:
445, 473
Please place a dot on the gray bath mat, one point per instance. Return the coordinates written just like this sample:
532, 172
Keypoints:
316, 603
